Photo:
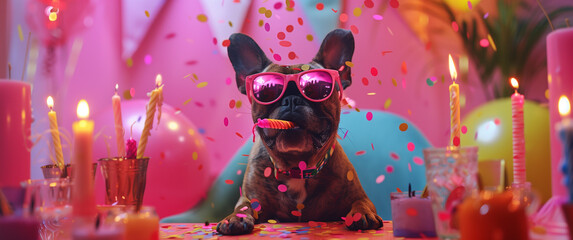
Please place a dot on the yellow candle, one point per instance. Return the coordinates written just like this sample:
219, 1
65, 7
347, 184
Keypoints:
143, 225
155, 100
454, 106
116, 103
55, 134
83, 199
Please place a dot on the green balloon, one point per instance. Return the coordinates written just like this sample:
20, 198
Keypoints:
489, 127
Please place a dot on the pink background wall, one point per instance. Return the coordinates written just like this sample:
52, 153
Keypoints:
179, 45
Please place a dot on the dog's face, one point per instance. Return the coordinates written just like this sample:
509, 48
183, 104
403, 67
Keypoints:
317, 122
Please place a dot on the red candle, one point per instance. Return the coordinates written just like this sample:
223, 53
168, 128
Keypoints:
518, 134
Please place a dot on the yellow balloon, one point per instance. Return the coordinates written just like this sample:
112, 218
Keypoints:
461, 5
489, 128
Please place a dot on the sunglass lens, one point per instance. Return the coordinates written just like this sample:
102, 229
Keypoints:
316, 85
267, 88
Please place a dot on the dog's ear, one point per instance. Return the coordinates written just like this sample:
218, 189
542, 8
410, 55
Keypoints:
247, 58
337, 48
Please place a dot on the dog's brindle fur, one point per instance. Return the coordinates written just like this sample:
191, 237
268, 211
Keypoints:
330, 194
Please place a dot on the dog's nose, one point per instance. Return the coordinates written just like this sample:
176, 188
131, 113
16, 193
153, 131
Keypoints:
292, 101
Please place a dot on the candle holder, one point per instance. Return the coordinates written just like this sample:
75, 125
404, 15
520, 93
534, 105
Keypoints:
125, 180
53, 171
412, 216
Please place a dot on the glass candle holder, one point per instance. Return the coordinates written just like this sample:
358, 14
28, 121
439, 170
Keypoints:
412, 216
125, 180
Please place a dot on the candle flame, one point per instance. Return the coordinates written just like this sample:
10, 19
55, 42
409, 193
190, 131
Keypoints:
564, 106
453, 72
158, 80
116, 87
514, 83
50, 102
83, 109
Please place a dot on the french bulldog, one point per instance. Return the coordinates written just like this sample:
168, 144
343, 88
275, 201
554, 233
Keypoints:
301, 173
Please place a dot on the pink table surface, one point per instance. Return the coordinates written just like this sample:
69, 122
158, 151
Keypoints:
315, 230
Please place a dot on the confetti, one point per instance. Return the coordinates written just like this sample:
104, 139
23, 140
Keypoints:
132, 92
354, 29
369, 3
281, 35
412, 212
394, 82
239, 173
229, 181
278, 5
267, 27
387, 103
241, 215
403, 127
343, 17
146, 13
226, 121
226, 43
300, 22
333, 10
147, 59
238, 135
309, 37
302, 165
470, 5
374, 71
262, 10
369, 116
365, 81
268, 171
377, 17
389, 168
319, 6
456, 141
418, 160
194, 155
404, 68
285, 43
277, 57
357, 12
350, 176
255, 205
394, 3
20, 33
239, 104
202, 18
371, 94
201, 84
486, 15
429, 82
129, 62
232, 103
349, 63
361, 152
292, 55
464, 129
455, 26
411, 146
300, 206
272, 221
497, 121
394, 156
296, 213
305, 67
491, 42
380, 179
443, 215
282, 188
484, 43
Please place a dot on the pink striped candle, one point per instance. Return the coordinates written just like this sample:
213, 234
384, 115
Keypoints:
518, 134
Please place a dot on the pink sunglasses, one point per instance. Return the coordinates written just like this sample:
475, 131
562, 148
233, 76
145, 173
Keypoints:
315, 85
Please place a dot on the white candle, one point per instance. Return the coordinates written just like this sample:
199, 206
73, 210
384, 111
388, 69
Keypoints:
83, 198
454, 106
55, 134
155, 100
518, 135
116, 103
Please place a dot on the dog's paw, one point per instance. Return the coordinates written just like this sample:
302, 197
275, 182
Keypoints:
235, 225
363, 221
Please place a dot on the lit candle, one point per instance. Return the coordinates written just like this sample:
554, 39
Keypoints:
155, 100
454, 105
83, 199
565, 132
517, 134
142, 225
55, 134
116, 102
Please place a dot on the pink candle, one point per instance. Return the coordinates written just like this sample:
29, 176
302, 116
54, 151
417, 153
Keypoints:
83, 197
517, 134
560, 81
116, 102
15, 123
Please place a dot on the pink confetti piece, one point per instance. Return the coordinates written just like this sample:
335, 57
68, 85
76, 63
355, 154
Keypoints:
394, 156
390, 169
239, 172
484, 43
409, 167
277, 57
226, 121
282, 188
470, 5
345, 134
285, 43
365, 81
343, 17
302, 165
360, 153
369, 116
268, 171
289, 28
377, 17
411, 146
278, 5
486, 15
281, 35
229, 181
296, 213
300, 21
394, 3
464, 129
132, 92
267, 27
228, 81
354, 29
380, 179
497, 121
348, 221
244, 208
418, 160
444, 216
455, 26
372, 144
147, 59
456, 141
170, 35
241, 215
374, 71
369, 3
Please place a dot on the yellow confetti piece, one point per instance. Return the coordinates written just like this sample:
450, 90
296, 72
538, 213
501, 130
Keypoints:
146, 13
129, 62
357, 110
20, 34
394, 82
202, 18
230, 24
272, 221
387, 103
350, 176
195, 155
299, 206
379, 81
491, 43
239, 104
187, 101
201, 84
309, 37
53, 16
547, 93
191, 132
305, 67
262, 10
261, 23
195, 76
175, 236
357, 12
539, 230
371, 94
349, 63
268, 13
